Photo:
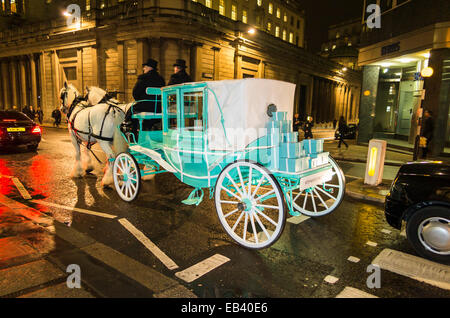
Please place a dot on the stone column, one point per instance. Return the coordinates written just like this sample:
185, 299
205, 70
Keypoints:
437, 97
120, 59
368, 102
34, 81
23, 83
14, 84
5, 84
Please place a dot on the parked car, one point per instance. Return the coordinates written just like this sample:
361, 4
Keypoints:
349, 134
420, 196
17, 129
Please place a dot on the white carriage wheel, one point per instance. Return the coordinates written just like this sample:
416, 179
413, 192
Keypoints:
324, 198
250, 204
127, 177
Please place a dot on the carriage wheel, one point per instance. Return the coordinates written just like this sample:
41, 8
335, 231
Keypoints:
324, 198
127, 177
250, 204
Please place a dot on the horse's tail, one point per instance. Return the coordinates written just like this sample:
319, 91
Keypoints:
119, 142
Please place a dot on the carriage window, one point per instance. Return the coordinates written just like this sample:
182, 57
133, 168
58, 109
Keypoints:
193, 110
172, 111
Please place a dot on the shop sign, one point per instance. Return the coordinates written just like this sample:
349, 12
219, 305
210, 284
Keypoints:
388, 49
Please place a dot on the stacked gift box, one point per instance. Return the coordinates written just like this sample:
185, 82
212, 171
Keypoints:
289, 155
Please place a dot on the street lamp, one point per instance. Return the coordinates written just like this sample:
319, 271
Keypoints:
251, 31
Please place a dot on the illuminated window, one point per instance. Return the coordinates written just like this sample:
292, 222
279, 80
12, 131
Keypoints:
278, 13
291, 37
3, 5
88, 5
270, 8
284, 35
233, 12
222, 7
259, 2
277, 31
194, 0
269, 26
285, 18
208, 3
13, 6
244, 16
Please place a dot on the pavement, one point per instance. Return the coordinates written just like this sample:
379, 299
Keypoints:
28, 239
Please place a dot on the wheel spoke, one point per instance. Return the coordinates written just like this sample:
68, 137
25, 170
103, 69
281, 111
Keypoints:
295, 199
259, 184
232, 212
268, 206
327, 194
266, 217
262, 226
230, 202
238, 220
331, 185
306, 199
240, 178
235, 185
313, 201
249, 182
233, 194
264, 195
245, 226
320, 198
255, 234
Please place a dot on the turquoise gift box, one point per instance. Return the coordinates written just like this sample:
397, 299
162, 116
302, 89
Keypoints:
291, 150
290, 137
279, 115
294, 164
319, 160
312, 146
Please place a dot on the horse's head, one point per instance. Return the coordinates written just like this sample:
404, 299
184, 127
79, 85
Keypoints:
94, 95
67, 95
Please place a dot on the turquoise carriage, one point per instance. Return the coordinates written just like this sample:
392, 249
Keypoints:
234, 138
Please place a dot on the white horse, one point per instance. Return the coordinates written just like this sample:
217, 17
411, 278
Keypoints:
93, 122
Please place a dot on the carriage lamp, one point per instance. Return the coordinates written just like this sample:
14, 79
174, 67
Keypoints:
375, 162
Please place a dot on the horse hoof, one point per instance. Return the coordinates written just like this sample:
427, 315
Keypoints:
89, 170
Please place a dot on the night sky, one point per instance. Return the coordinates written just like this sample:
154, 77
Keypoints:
322, 13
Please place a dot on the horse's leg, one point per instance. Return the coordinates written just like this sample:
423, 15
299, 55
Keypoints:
88, 166
77, 170
108, 177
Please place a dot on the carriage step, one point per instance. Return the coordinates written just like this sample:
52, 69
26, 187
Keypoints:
194, 198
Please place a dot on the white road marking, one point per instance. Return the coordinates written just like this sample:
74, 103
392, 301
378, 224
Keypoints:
414, 267
196, 271
386, 231
297, 219
350, 292
353, 259
331, 279
169, 263
403, 233
23, 192
103, 215
370, 243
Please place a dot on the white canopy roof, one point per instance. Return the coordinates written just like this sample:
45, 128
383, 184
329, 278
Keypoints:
244, 106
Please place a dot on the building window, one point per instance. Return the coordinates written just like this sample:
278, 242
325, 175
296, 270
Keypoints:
222, 7
291, 37
285, 18
208, 3
88, 5
259, 3
284, 35
277, 31
298, 24
233, 12
278, 13
270, 8
244, 16
269, 26
13, 6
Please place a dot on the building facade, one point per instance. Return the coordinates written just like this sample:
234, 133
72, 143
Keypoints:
108, 45
414, 35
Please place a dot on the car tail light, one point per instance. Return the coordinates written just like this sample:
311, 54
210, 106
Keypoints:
36, 130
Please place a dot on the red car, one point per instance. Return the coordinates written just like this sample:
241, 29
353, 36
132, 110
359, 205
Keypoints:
16, 129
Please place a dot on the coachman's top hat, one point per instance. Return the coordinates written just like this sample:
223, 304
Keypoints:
180, 63
151, 62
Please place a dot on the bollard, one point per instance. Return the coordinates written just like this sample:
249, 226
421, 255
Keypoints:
375, 162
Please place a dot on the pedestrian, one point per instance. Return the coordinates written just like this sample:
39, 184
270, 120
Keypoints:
39, 114
334, 123
180, 76
56, 115
307, 127
149, 78
15, 109
342, 130
297, 123
29, 111
427, 131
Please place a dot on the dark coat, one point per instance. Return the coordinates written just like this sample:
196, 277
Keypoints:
428, 127
179, 78
149, 79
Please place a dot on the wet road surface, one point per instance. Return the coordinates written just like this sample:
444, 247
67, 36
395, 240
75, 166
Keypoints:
296, 266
